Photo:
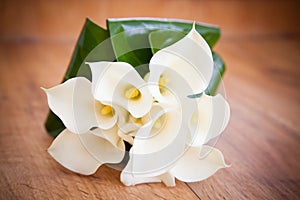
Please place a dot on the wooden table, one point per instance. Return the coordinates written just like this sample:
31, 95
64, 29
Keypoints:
262, 141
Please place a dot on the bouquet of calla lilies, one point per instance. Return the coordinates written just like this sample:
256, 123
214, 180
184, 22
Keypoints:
141, 93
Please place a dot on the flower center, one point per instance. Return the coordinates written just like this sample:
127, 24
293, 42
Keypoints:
106, 110
162, 83
132, 93
158, 124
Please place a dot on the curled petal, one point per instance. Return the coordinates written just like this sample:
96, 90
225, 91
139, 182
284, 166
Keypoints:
119, 83
198, 163
83, 153
68, 150
209, 120
73, 103
102, 148
189, 58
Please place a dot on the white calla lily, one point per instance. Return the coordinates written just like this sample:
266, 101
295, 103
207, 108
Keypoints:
177, 71
209, 120
159, 142
198, 163
84, 153
73, 102
166, 128
119, 83
190, 58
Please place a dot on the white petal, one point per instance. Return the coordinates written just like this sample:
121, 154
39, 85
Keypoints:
73, 103
195, 36
112, 79
110, 135
128, 131
84, 153
68, 150
102, 148
168, 179
189, 58
126, 128
198, 163
128, 177
210, 119
176, 88
156, 150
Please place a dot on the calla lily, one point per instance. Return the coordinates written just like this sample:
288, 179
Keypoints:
73, 102
177, 71
160, 150
190, 59
209, 120
85, 153
119, 83
196, 164
159, 142
166, 128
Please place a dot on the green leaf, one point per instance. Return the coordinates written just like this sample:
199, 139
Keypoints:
129, 36
91, 36
219, 69
54, 125
93, 45
163, 38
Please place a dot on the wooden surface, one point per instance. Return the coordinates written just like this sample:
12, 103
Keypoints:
261, 47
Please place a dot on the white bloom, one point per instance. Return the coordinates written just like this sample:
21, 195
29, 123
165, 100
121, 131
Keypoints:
92, 132
209, 120
173, 151
73, 102
168, 132
119, 83
160, 152
196, 164
189, 59
84, 153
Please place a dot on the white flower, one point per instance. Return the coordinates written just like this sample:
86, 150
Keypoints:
160, 151
85, 153
196, 164
173, 150
184, 68
84, 106
73, 102
167, 129
119, 83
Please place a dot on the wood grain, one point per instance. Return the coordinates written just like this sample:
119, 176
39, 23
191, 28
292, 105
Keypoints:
262, 141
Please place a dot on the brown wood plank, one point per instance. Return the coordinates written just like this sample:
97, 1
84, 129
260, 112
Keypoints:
261, 46
43, 20
263, 138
